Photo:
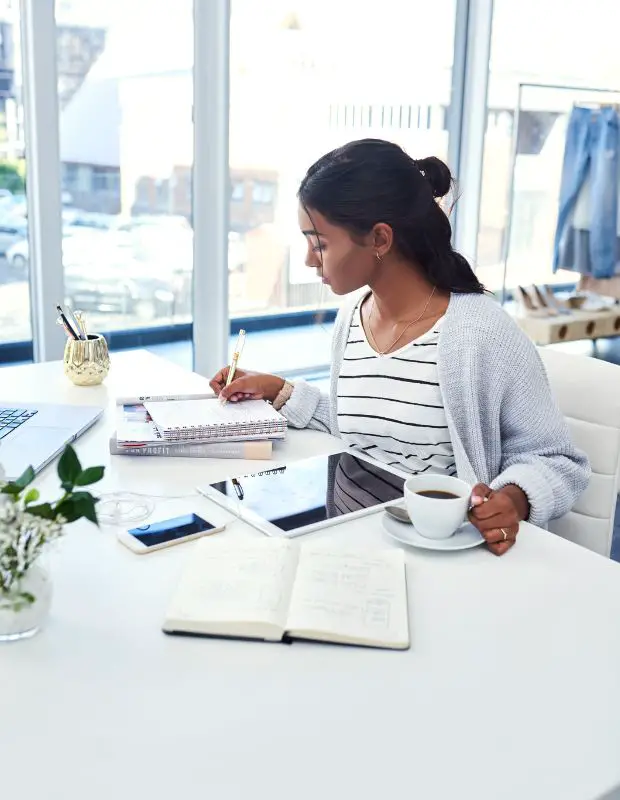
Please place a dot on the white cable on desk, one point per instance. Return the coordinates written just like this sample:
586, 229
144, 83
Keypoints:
122, 508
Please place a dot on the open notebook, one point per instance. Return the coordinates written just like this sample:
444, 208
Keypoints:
277, 590
209, 419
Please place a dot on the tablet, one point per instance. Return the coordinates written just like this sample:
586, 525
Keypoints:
309, 494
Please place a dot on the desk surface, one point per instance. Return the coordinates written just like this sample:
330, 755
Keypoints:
511, 688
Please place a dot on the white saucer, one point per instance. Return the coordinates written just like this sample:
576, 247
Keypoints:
467, 536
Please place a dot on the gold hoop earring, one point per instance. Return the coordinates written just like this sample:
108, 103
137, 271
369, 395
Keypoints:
378, 257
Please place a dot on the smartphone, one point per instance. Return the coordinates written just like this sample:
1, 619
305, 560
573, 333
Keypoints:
166, 533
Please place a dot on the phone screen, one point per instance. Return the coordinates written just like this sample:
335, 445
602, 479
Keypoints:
169, 529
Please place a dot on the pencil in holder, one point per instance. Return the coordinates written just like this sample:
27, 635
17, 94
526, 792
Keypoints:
87, 361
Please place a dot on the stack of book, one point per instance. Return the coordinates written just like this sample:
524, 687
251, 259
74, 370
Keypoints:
195, 427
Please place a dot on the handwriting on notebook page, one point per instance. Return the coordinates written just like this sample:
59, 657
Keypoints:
337, 590
238, 583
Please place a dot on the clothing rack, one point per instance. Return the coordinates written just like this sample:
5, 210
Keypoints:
615, 106
514, 154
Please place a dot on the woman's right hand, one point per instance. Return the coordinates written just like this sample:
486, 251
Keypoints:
246, 385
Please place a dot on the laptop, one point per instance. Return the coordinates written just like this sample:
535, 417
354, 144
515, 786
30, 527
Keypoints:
35, 433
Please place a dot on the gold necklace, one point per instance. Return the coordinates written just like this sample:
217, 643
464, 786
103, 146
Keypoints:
404, 330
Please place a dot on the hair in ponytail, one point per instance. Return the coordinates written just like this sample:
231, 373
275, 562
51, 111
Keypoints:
370, 181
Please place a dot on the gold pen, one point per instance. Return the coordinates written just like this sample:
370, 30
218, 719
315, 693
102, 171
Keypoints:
235, 360
79, 318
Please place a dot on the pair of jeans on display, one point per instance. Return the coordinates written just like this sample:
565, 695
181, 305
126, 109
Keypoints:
586, 238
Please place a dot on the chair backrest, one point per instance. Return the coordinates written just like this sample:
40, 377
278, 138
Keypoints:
588, 393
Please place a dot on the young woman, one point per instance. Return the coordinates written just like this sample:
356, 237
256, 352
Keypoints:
428, 373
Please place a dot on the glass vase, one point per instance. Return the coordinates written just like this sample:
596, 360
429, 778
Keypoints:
25, 608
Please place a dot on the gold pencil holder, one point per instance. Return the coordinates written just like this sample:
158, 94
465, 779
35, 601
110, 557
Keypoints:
87, 362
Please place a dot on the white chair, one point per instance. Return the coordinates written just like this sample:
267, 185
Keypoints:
588, 393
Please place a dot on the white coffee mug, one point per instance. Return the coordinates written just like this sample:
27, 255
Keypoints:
437, 517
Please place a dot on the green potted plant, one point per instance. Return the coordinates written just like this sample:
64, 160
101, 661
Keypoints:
27, 527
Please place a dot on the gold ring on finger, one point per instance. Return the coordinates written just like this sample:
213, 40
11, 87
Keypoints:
505, 534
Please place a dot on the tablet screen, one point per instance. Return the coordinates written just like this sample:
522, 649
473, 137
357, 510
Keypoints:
313, 490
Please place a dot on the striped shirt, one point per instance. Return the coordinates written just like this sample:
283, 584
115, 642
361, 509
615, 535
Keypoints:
391, 406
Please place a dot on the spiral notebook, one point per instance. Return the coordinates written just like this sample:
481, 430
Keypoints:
208, 419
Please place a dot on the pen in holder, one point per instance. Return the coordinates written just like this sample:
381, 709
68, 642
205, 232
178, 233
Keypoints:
87, 361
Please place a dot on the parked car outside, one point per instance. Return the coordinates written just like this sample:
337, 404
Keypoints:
112, 265
102, 277
18, 253
12, 231
117, 283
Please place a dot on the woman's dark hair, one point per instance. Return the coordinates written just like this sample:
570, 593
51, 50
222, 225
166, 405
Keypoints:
370, 181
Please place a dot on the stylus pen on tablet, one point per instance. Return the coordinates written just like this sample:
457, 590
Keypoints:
235, 359
235, 483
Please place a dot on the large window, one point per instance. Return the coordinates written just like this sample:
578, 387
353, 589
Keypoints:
307, 76
125, 98
570, 44
14, 294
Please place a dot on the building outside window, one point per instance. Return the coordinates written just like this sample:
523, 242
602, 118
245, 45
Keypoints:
263, 193
126, 142
325, 87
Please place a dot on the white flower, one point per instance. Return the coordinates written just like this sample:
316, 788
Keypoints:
7, 508
22, 539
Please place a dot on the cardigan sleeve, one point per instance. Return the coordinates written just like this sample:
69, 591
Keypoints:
308, 407
538, 455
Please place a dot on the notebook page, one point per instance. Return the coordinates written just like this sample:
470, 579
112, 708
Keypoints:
358, 597
211, 413
247, 582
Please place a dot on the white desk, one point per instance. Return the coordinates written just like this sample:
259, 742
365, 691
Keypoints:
511, 688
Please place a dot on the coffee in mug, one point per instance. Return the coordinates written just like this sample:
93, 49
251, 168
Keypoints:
437, 504
437, 494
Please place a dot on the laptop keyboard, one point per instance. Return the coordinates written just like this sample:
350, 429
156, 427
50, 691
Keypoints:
12, 418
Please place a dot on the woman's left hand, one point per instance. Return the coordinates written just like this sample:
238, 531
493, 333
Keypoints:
497, 515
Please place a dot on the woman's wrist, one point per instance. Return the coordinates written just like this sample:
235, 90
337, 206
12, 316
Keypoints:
283, 395
519, 500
